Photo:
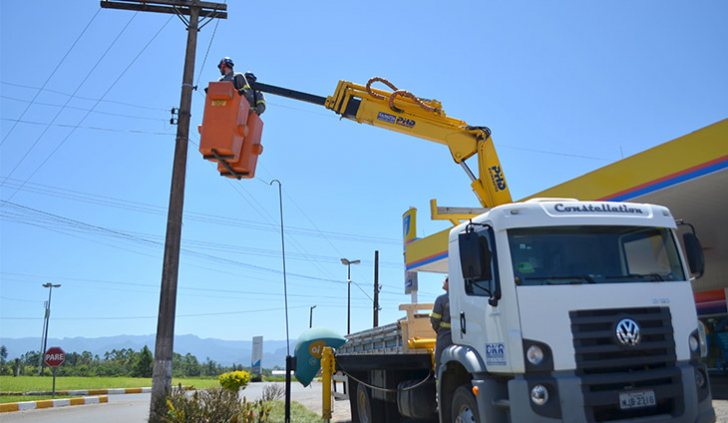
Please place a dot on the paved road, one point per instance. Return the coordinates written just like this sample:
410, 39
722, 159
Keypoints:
134, 408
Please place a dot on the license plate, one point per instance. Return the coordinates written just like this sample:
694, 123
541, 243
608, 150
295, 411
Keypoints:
637, 399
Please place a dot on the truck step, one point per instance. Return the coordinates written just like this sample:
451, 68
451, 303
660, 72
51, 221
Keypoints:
502, 403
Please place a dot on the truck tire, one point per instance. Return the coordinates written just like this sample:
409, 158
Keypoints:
464, 406
368, 410
419, 402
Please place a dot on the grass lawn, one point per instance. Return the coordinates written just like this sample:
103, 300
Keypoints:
299, 413
45, 383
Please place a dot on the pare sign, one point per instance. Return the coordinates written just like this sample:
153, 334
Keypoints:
54, 357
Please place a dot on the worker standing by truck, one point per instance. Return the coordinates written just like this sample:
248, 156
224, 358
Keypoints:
440, 320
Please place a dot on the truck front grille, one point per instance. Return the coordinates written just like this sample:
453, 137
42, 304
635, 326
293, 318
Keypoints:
608, 368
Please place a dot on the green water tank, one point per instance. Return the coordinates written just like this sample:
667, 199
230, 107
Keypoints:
309, 349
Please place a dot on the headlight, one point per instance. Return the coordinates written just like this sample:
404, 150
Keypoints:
534, 355
694, 344
539, 395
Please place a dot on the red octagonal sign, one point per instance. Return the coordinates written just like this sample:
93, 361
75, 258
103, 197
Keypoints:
54, 357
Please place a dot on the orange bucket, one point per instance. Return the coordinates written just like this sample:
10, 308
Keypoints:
251, 149
224, 122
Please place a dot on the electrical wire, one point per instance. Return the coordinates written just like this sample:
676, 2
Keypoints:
93, 128
207, 52
120, 204
88, 74
48, 80
96, 104
74, 225
82, 109
86, 98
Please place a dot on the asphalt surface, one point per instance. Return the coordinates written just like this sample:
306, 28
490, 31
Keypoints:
134, 408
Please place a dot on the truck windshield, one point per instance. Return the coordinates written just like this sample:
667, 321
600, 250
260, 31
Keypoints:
593, 254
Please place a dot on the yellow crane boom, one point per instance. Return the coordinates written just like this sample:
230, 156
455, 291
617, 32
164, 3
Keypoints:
401, 111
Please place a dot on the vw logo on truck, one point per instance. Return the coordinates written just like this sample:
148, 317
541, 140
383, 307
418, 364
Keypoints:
628, 332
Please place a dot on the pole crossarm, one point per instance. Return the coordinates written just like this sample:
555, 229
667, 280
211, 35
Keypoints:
207, 9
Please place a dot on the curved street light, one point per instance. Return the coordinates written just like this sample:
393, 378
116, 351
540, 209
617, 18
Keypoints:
310, 317
348, 264
46, 322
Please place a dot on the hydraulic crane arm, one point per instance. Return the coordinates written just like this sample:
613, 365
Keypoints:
401, 111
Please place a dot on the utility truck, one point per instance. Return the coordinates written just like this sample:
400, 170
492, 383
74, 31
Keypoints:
561, 310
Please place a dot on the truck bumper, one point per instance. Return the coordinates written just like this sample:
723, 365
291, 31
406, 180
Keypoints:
566, 401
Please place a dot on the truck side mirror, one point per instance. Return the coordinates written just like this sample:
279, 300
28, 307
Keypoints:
469, 255
694, 252
475, 256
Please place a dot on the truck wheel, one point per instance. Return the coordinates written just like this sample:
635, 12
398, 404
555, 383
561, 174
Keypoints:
464, 406
364, 406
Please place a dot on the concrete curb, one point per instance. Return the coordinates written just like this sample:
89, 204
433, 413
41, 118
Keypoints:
70, 392
32, 405
110, 391
101, 398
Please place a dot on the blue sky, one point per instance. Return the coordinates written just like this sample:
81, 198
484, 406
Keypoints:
86, 152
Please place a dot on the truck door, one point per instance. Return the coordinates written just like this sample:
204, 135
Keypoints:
478, 320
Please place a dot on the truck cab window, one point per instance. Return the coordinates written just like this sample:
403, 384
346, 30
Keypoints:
594, 254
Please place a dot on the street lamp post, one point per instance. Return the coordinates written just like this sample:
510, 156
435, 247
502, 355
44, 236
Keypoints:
46, 323
348, 264
289, 359
310, 317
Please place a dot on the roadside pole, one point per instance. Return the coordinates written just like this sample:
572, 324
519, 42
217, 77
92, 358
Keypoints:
162, 373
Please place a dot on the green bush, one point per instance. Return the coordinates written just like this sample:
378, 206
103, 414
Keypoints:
213, 405
234, 381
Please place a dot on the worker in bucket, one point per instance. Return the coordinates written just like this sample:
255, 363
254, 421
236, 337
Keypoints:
258, 102
238, 79
440, 320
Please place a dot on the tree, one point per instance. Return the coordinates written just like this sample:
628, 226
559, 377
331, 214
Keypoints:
4, 355
192, 366
30, 358
144, 364
211, 367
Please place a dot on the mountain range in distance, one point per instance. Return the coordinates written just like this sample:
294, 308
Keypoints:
221, 351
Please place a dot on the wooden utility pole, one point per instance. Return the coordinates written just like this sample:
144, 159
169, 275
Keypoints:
164, 348
376, 290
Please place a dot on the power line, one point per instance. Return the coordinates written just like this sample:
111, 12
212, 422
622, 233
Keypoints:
266, 216
90, 72
207, 52
94, 128
112, 233
121, 204
554, 153
102, 96
86, 98
222, 313
80, 108
48, 80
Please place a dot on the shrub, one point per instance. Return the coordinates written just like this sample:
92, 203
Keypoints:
273, 392
212, 405
234, 381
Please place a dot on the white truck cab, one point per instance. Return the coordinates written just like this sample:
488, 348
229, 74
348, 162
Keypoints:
572, 311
